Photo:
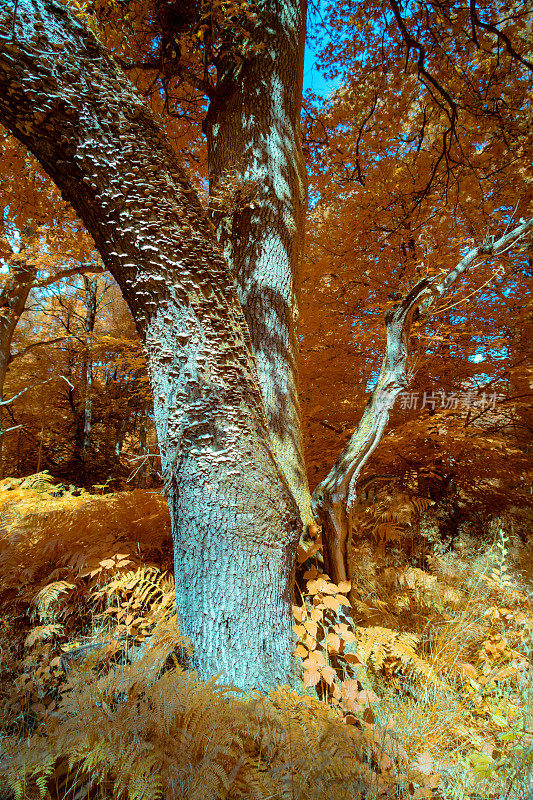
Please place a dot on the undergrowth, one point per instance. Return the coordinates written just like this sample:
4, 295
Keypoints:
416, 675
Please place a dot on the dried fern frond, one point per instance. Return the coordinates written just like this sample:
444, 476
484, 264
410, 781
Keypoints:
41, 633
39, 482
49, 595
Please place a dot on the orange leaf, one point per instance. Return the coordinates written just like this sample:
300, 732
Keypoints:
317, 657
343, 600
349, 719
333, 642
368, 716
337, 694
311, 677
366, 698
350, 689
331, 602
311, 573
341, 628
344, 586
328, 673
299, 613
353, 658
299, 630
300, 651
316, 586
311, 627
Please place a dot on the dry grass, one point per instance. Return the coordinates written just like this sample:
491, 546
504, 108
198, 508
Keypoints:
430, 694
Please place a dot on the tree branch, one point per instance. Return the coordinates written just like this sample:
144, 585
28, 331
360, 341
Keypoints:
8, 430
67, 273
336, 493
411, 42
488, 26
25, 350
34, 386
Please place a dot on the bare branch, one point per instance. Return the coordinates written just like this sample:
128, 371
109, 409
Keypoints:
25, 350
411, 42
171, 70
487, 248
34, 386
8, 430
67, 273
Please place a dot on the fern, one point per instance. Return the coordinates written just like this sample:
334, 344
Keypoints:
39, 482
41, 633
49, 595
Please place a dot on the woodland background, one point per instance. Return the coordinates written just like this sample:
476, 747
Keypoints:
435, 700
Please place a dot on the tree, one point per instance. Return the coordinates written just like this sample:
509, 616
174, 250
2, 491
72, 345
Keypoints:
412, 161
20, 278
228, 483
213, 299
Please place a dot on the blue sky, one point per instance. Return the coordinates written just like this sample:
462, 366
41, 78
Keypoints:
313, 79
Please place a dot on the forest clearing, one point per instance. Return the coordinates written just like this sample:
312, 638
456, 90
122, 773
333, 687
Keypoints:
266, 370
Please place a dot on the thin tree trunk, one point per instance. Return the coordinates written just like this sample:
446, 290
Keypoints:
235, 524
333, 497
120, 432
90, 286
258, 185
13, 299
143, 425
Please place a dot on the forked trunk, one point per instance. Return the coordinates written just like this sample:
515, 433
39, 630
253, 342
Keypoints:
333, 497
235, 524
258, 186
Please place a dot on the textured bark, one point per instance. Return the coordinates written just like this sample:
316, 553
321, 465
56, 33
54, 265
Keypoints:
256, 164
235, 523
89, 285
13, 299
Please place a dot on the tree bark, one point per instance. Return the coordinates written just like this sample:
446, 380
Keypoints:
258, 186
333, 497
235, 523
13, 299
90, 287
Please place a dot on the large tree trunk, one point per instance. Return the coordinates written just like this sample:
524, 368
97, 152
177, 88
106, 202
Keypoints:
235, 523
258, 187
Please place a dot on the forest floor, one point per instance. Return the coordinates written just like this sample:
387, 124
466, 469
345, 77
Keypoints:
416, 679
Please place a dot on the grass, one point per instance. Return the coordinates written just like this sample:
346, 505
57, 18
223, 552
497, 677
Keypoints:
429, 695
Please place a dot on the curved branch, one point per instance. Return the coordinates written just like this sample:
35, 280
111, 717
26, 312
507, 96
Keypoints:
31, 346
488, 26
34, 386
336, 493
411, 42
